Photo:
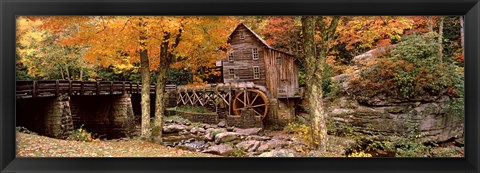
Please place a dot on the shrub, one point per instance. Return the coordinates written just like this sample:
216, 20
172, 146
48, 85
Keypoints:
24, 130
80, 134
304, 133
195, 109
410, 71
359, 154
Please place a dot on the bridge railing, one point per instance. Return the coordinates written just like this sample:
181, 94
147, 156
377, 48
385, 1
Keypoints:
48, 88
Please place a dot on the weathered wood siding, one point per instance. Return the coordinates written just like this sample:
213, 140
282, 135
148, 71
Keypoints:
243, 61
281, 74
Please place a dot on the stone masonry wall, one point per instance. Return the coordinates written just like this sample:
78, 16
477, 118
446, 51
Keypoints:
245, 120
109, 116
208, 118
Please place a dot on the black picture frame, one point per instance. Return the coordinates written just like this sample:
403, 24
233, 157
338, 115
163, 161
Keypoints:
11, 8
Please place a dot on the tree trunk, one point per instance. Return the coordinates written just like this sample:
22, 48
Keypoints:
67, 72
462, 33
81, 74
61, 72
145, 93
440, 40
160, 98
430, 23
313, 70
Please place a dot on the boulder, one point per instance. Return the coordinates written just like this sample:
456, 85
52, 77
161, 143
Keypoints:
211, 132
173, 128
272, 144
222, 123
227, 137
249, 131
245, 145
221, 149
258, 138
278, 153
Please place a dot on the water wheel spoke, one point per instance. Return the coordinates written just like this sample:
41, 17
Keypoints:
240, 100
261, 115
258, 105
248, 98
253, 101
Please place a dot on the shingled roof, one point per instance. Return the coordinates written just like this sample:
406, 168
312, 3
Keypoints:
255, 34
258, 37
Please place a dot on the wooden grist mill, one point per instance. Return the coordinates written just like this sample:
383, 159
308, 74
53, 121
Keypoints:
257, 79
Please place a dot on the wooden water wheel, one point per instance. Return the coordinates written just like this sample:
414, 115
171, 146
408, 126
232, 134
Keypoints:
254, 99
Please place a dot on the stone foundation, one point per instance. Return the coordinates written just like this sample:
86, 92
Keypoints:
58, 121
208, 118
245, 120
108, 116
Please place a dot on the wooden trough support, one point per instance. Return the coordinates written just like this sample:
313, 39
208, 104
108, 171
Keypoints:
209, 94
236, 97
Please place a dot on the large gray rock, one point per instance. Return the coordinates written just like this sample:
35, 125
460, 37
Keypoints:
430, 118
211, 132
222, 123
272, 144
173, 128
246, 145
387, 115
258, 138
227, 137
222, 149
278, 153
249, 131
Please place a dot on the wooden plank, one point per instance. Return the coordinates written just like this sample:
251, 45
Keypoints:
69, 87
111, 87
98, 87
34, 89
57, 90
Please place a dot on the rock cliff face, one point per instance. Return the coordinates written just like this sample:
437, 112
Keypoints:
386, 116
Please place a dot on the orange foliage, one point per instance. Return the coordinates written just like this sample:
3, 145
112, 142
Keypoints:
118, 39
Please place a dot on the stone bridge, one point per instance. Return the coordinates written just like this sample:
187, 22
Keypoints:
53, 108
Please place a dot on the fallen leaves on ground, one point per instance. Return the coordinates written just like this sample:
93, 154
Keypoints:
29, 145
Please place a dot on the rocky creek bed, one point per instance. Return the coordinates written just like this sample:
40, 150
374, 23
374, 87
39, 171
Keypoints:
227, 141
224, 140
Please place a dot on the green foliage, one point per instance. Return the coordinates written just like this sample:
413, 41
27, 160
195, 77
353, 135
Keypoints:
457, 104
327, 85
80, 134
179, 76
411, 70
304, 133
359, 154
301, 77
175, 118
24, 130
194, 109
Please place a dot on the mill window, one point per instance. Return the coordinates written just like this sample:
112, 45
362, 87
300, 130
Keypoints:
230, 57
255, 53
256, 72
242, 35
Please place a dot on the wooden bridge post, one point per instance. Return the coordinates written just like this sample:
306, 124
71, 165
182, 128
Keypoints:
57, 89
81, 88
34, 90
123, 87
111, 87
70, 87
98, 87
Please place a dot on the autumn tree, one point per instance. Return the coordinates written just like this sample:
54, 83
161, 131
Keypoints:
43, 57
315, 55
152, 41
